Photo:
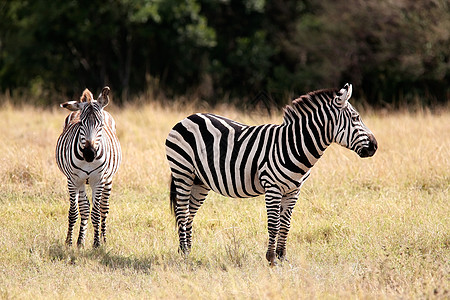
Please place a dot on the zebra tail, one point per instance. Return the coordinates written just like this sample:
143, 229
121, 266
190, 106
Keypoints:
173, 195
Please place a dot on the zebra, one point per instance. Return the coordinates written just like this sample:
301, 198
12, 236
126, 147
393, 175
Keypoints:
210, 152
88, 151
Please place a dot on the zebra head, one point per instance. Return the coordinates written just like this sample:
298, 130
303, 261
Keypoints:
349, 130
91, 121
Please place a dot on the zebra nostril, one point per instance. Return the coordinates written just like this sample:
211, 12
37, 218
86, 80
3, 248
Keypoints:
370, 149
89, 154
373, 143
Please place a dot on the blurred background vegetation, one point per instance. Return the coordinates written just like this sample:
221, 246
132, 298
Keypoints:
395, 52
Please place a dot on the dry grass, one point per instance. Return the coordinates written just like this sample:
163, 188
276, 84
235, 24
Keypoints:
372, 228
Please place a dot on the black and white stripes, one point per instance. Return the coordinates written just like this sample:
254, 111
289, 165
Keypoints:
210, 152
88, 151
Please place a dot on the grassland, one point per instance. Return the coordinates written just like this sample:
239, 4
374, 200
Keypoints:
363, 228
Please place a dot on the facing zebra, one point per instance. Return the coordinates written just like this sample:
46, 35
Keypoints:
88, 151
209, 152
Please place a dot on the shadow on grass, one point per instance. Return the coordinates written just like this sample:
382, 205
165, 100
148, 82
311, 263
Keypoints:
58, 251
72, 255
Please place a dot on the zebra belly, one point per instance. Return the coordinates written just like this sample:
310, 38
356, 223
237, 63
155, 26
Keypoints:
234, 187
229, 171
241, 173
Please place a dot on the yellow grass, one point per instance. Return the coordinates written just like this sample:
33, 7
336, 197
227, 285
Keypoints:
363, 228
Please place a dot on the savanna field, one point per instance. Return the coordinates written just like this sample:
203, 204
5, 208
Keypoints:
362, 228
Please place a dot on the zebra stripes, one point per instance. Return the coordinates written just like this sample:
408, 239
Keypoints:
88, 151
209, 152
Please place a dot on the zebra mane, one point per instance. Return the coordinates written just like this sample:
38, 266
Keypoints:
310, 100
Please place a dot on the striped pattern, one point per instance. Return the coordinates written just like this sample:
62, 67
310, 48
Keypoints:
209, 152
88, 151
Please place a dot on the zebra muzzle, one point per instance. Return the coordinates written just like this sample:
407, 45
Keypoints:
371, 148
89, 152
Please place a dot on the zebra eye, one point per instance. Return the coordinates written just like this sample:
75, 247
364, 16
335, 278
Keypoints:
355, 118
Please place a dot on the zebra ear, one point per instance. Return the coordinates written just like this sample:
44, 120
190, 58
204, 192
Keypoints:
103, 98
343, 96
86, 96
73, 105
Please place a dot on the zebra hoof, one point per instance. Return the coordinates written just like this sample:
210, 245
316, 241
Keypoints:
80, 244
281, 254
96, 244
183, 250
68, 243
272, 263
270, 256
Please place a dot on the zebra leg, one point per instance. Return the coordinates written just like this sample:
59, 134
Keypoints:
287, 205
84, 207
273, 201
73, 210
97, 191
198, 195
104, 208
183, 187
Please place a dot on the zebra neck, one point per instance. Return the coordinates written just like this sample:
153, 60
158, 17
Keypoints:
305, 140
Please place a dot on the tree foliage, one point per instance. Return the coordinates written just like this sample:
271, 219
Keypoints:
392, 51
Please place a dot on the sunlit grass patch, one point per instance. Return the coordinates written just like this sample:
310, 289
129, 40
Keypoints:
362, 228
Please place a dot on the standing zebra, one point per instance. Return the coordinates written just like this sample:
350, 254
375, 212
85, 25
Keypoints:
210, 152
88, 151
